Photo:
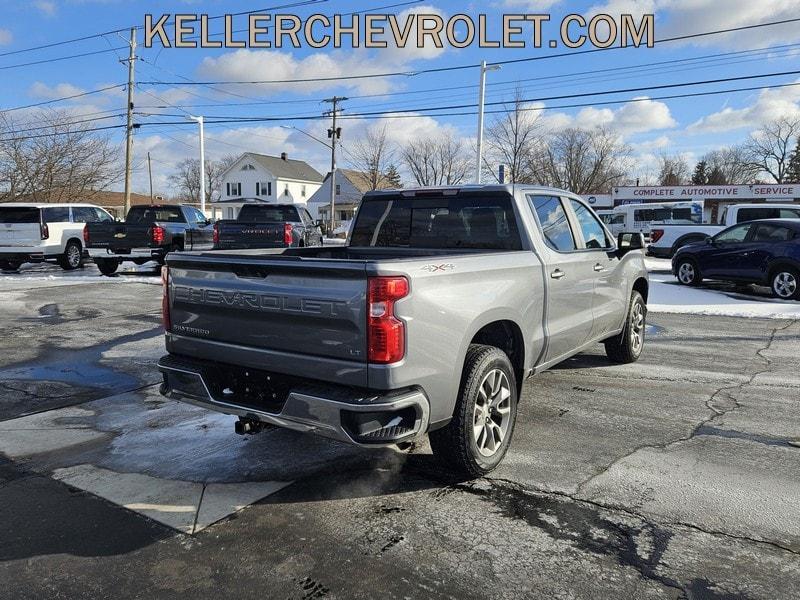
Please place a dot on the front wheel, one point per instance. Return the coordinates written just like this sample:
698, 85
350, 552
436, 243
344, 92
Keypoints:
9, 265
107, 266
72, 257
627, 346
478, 436
688, 272
786, 283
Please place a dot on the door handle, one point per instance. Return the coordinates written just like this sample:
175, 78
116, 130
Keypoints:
599, 268
557, 274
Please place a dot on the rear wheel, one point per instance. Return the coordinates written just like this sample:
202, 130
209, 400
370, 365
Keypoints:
627, 346
786, 283
9, 265
107, 266
688, 272
72, 257
478, 436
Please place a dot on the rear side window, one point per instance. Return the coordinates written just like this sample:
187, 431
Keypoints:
772, 233
13, 214
478, 222
754, 214
151, 214
55, 214
553, 222
256, 214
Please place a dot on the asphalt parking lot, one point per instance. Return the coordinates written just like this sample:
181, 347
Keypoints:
675, 477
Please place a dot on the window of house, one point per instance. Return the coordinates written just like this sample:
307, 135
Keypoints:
248, 168
303, 191
264, 188
234, 189
286, 190
338, 190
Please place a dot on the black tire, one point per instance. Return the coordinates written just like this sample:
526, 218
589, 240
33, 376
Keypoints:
627, 346
72, 258
785, 283
455, 446
9, 265
107, 266
688, 272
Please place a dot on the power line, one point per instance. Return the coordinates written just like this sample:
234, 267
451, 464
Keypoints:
72, 97
463, 66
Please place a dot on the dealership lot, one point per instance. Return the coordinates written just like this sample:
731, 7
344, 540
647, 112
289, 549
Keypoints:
672, 477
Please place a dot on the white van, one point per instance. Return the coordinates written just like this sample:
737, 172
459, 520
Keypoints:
31, 232
641, 217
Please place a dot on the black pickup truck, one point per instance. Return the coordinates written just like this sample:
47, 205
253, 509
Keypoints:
267, 226
148, 233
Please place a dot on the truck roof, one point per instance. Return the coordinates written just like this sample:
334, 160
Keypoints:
473, 187
46, 204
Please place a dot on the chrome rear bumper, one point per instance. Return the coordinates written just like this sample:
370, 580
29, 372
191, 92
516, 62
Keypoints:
364, 419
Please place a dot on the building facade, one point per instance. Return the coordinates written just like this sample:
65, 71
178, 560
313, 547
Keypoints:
350, 187
714, 197
262, 178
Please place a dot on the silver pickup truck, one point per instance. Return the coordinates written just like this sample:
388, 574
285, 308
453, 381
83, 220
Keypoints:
428, 321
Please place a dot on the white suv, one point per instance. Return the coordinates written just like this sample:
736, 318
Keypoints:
38, 232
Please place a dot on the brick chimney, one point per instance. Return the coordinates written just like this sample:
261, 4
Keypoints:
284, 156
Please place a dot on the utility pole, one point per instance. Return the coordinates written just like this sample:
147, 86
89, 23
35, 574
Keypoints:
129, 129
150, 172
334, 133
481, 98
199, 121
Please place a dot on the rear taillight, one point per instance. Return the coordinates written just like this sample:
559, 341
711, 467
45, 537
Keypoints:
287, 234
165, 316
656, 234
85, 235
216, 233
386, 333
158, 235
44, 231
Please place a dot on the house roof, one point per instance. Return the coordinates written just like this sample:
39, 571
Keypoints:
97, 197
288, 168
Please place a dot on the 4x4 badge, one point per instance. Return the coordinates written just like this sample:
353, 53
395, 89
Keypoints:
435, 268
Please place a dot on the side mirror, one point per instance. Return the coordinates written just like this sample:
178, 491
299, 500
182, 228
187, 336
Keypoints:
626, 242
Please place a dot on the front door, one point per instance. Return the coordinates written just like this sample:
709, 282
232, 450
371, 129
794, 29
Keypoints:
569, 279
722, 257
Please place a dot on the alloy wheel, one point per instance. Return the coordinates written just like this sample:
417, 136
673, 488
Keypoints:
637, 328
73, 256
492, 415
784, 284
686, 273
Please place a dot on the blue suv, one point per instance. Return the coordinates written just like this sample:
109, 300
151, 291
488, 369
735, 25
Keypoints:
765, 252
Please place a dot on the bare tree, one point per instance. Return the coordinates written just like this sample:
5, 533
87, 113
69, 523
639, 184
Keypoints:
186, 178
440, 160
731, 166
58, 162
673, 169
514, 139
372, 156
769, 150
584, 161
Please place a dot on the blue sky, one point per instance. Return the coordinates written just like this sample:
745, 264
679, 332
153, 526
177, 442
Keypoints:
686, 126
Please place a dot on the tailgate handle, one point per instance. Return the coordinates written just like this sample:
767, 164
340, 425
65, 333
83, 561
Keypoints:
246, 272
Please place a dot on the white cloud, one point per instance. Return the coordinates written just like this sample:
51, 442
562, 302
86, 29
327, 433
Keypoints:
768, 106
680, 17
6, 37
47, 92
531, 6
653, 144
46, 7
635, 117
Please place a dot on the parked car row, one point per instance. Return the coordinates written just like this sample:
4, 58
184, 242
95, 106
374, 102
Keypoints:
66, 233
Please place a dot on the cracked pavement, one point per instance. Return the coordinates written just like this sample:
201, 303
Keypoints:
675, 477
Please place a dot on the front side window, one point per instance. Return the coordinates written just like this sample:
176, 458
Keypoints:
790, 213
733, 235
769, 233
594, 236
553, 223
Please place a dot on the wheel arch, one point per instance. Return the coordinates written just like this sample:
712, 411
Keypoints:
780, 263
687, 238
642, 286
73, 239
506, 335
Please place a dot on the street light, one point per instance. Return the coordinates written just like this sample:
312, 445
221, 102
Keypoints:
199, 121
481, 96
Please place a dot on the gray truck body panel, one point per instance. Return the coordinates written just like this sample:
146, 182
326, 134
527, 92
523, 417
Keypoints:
302, 312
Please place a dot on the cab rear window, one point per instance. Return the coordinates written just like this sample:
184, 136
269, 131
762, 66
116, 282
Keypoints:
152, 214
14, 214
482, 222
256, 214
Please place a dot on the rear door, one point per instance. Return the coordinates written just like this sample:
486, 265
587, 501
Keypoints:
20, 226
569, 277
765, 244
610, 298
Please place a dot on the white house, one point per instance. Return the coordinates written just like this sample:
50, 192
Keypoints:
262, 178
350, 187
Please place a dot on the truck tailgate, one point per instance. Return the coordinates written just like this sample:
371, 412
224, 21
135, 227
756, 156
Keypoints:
119, 236
276, 310
233, 234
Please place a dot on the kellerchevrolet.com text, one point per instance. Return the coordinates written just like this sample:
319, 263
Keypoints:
383, 31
